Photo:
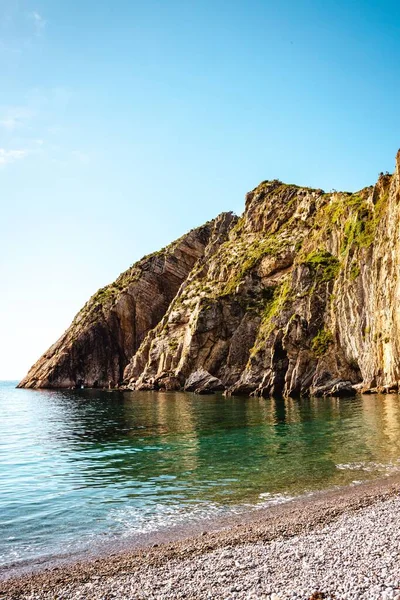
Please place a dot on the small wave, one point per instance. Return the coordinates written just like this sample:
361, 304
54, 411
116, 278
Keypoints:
271, 499
369, 466
139, 520
136, 520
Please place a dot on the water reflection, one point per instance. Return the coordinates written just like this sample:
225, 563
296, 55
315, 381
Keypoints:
76, 464
128, 437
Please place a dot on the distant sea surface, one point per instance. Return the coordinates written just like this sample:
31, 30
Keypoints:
78, 468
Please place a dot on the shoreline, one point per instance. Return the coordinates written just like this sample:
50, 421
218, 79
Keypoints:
295, 517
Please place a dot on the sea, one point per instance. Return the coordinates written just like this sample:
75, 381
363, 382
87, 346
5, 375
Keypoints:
86, 468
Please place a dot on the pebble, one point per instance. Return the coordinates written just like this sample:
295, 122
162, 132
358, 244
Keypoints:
355, 557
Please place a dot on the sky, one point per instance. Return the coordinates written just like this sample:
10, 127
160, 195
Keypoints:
123, 124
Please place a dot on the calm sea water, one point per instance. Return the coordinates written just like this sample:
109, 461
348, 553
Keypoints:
80, 467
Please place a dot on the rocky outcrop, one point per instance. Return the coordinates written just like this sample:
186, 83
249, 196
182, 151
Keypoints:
109, 329
299, 296
202, 382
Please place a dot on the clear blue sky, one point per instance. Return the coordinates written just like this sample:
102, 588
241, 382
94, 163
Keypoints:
124, 123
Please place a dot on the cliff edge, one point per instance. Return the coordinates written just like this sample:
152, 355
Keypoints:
299, 296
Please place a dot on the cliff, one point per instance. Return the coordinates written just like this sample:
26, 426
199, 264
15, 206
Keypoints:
298, 296
109, 329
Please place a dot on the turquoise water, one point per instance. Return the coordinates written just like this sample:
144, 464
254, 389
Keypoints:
81, 467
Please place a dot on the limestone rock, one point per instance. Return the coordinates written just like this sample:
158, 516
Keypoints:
336, 388
301, 295
167, 382
109, 329
201, 381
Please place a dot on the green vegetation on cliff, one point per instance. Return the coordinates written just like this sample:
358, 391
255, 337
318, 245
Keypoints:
321, 342
323, 265
275, 301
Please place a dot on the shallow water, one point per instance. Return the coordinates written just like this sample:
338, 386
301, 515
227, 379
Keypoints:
81, 467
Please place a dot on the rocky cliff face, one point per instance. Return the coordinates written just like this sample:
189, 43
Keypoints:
300, 295
109, 329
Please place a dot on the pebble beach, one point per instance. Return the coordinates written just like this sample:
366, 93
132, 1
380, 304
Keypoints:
341, 544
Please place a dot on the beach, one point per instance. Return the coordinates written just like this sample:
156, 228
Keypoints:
342, 544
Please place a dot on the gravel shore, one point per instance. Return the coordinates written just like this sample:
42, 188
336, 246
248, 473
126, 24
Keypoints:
343, 544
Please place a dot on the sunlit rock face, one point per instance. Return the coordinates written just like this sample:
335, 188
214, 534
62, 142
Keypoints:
109, 329
298, 296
